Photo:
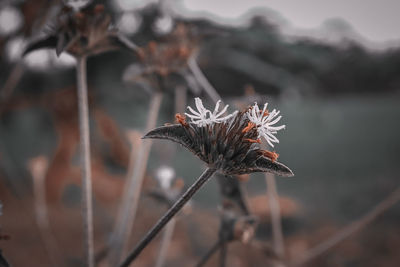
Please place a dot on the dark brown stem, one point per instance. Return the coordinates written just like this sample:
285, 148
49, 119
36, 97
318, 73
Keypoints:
204, 177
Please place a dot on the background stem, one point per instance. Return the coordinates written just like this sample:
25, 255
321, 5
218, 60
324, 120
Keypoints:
165, 242
209, 253
201, 78
38, 167
350, 229
131, 196
223, 252
204, 177
276, 220
87, 207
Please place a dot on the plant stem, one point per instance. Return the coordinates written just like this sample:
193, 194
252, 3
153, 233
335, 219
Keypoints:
165, 242
180, 99
87, 207
209, 253
204, 177
350, 229
12, 81
180, 104
223, 252
276, 221
38, 167
131, 196
273, 201
202, 79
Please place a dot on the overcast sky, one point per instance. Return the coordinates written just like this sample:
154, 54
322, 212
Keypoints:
378, 21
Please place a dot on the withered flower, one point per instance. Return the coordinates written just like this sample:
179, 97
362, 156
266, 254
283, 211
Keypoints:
83, 32
229, 144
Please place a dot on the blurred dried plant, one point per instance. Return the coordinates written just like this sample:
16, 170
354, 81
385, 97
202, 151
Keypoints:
83, 32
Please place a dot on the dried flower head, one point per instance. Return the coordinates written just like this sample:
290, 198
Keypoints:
226, 143
169, 56
82, 31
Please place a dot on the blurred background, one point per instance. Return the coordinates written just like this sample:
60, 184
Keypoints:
333, 69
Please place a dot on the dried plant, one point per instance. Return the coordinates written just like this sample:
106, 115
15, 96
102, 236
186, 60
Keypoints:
83, 30
233, 227
81, 33
228, 144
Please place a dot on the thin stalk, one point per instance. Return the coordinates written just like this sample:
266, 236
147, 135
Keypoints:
38, 167
180, 104
131, 196
12, 81
165, 242
223, 252
204, 177
276, 220
273, 201
87, 207
350, 229
180, 99
209, 253
202, 79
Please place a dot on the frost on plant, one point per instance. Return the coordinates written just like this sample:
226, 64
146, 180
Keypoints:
228, 143
203, 116
264, 122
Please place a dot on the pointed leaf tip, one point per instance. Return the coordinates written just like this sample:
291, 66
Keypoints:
265, 164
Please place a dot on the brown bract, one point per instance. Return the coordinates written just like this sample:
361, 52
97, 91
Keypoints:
83, 33
223, 146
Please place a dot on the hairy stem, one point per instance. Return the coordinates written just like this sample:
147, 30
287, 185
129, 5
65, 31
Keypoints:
204, 177
350, 229
131, 196
87, 207
165, 242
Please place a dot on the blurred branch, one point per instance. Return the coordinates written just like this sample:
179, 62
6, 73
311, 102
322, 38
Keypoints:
202, 79
347, 231
12, 80
223, 252
209, 253
38, 167
87, 207
165, 242
180, 98
204, 177
131, 196
276, 220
